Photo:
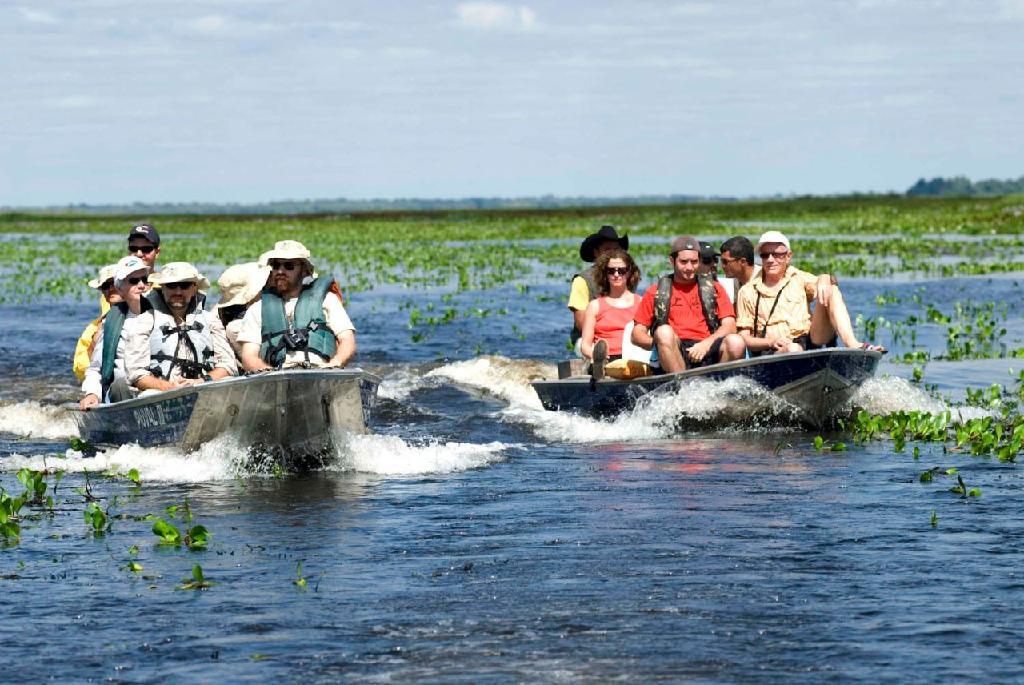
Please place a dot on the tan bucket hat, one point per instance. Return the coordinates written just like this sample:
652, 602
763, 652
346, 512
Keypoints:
180, 272
241, 283
287, 249
106, 274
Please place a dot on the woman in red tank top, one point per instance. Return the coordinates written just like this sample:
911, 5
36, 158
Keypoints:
616, 275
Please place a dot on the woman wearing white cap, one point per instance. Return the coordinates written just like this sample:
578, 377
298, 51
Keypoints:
299, 320
106, 377
104, 282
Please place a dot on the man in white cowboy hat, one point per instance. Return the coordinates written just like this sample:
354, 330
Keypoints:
773, 310
299, 320
583, 288
176, 342
240, 287
104, 282
106, 379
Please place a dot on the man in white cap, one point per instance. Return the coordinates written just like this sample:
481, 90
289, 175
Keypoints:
773, 310
176, 342
299, 320
104, 282
106, 379
241, 286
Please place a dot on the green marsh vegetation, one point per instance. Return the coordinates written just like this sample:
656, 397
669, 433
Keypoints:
442, 269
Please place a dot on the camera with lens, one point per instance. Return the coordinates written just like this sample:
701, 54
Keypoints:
296, 340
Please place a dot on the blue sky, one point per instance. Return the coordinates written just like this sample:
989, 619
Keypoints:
232, 100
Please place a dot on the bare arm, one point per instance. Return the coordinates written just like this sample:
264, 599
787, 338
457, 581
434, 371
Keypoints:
346, 348
251, 358
641, 337
589, 321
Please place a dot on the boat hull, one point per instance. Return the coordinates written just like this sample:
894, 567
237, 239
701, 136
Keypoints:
292, 415
817, 383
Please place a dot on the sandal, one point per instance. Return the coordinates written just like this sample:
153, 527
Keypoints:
871, 347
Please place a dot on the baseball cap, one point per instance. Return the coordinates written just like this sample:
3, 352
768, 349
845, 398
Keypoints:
145, 231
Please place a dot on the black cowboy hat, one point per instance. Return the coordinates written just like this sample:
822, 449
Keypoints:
591, 242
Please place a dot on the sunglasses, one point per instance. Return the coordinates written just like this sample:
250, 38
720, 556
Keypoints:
107, 285
135, 280
778, 255
287, 266
710, 260
178, 286
617, 270
144, 249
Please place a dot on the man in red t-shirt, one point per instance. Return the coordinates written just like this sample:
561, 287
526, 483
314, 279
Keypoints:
687, 341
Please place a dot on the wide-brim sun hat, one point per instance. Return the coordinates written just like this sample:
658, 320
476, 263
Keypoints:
772, 237
105, 274
241, 283
180, 272
126, 266
287, 249
589, 246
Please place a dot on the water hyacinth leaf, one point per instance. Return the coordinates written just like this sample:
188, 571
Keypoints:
925, 477
168, 534
198, 537
935, 519
819, 442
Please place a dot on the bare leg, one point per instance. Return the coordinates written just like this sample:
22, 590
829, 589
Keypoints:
832, 320
668, 350
732, 347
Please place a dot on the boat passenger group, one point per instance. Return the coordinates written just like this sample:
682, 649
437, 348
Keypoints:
154, 333
625, 335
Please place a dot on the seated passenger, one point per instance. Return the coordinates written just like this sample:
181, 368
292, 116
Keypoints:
299, 320
107, 376
701, 322
774, 307
240, 287
583, 289
606, 318
177, 342
108, 296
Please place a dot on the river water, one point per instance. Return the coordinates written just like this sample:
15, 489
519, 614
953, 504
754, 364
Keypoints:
475, 538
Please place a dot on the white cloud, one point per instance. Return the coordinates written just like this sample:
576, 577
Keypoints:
495, 15
36, 16
1011, 9
211, 23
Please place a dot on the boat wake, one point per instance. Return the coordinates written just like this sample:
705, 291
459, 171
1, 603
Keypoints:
35, 420
733, 404
388, 455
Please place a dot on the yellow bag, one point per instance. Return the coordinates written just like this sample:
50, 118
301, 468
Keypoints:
625, 369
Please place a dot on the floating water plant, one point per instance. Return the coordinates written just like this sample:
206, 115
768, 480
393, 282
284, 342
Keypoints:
198, 581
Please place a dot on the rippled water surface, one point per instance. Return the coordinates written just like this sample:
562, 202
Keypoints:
476, 538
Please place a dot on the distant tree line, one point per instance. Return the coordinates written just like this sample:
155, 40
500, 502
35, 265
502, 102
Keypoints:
963, 186
342, 205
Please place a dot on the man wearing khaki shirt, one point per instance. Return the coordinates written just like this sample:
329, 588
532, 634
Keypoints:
773, 310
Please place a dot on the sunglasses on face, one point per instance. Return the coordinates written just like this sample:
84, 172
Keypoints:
144, 249
727, 260
107, 285
710, 260
287, 266
135, 280
765, 256
617, 270
178, 286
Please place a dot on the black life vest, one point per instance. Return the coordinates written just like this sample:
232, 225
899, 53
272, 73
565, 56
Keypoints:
308, 331
588, 278
708, 301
